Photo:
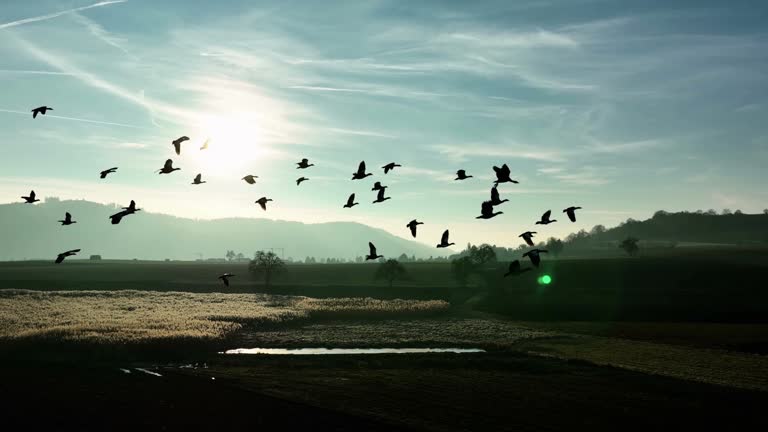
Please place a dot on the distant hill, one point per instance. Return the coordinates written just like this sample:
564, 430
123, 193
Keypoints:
735, 228
32, 231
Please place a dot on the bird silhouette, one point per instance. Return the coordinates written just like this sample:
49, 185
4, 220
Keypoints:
389, 167
462, 175
378, 186
444, 241
131, 209
571, 211
533, 255
177, 143
380, 196
205, 144
545, 218
502, 175
67, 219
372, 255
225, 278
250, 178
514, 269
198, 180
351, 202
40, 110
412, 225
167, 168
495, 197
527, 236
263, 202
486, 211
31, 198
360, 174
106, 172
301, 179
304, 164
60, 258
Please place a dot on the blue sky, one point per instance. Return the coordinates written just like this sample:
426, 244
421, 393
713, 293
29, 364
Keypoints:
620, 107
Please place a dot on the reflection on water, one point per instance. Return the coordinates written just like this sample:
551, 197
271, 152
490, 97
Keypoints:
321, 351
147, 372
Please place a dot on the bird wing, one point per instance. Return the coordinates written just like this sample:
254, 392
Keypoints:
572, 215
372, 249
226, 281
412, 226
505, 169
494, 194
546, 215
361, 167
60, 258
304, 161
263, 204
460, 173
496, 169
34, 113
168, 164
73, 251
514, 266
32, 195
351, 200
117, 217
198, 178
380, 195
67, 216
486, 207
444, 239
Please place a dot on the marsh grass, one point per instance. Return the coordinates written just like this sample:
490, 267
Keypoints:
149, 317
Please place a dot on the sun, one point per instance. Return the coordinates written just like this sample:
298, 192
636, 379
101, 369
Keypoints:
234, 143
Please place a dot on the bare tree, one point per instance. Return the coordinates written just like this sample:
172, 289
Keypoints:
266, 265
390, 270
630, 246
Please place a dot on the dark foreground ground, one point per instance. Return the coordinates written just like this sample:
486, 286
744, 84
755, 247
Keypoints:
494, 391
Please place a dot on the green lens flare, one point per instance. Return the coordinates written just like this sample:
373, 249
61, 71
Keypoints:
545, 280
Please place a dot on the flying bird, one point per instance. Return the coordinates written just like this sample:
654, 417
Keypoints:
571, 211
304, 164
495, 197
132, 207
462, 175
351, 202
533, 254
486, 211
502, 175
380, 197
198, 180
60, 258
372, 255
225, 278
390, 166
167, 168
40, 110
205, 144
444, 241
514, 269
177, 143
106, 172
545, 218
31, 198
360, 174
527, 236
250, 178
378, 186
301, 179
263, 202
412, 225
67, 219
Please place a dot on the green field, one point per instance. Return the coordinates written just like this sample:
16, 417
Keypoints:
609, 339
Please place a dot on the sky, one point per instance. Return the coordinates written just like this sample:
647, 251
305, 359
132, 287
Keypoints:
620, 107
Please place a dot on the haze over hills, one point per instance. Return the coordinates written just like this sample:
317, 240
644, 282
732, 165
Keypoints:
32, 232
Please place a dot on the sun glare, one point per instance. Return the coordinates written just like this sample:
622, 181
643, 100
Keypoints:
232, 144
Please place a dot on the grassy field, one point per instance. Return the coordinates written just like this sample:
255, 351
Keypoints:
651, 342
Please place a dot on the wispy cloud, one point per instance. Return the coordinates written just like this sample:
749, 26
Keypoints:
100, 33
58, 14
32, 72
361, 133
513, 151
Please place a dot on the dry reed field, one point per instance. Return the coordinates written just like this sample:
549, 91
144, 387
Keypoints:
115, 317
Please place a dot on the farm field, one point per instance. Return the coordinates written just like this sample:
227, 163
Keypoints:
648, 340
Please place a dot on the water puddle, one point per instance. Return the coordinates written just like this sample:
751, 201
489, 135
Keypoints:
326, 351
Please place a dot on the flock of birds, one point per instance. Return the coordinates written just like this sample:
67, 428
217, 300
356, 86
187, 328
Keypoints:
486, 208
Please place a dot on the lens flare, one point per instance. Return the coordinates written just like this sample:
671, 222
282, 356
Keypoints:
545, 280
